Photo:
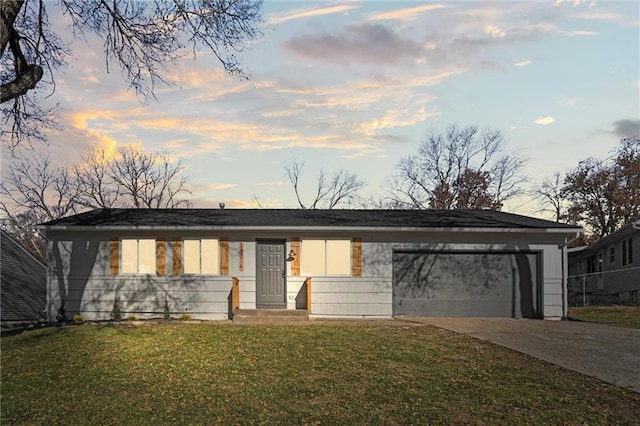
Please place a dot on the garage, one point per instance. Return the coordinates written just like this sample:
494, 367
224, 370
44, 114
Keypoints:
466, 284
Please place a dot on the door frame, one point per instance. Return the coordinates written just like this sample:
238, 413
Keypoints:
283, 243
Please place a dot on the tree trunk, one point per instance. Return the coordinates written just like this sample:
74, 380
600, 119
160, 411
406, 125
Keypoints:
8, 12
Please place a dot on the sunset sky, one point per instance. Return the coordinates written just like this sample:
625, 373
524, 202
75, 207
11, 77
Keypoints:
357, 85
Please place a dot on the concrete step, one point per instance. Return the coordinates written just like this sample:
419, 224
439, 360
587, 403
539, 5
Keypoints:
263, 316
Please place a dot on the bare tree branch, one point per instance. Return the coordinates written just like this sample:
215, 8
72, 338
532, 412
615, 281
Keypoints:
140, 37
460, 168
340, 189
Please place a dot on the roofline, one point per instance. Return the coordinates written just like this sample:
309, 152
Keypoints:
5, 234
312, 228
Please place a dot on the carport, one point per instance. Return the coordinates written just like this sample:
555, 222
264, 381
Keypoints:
494, 284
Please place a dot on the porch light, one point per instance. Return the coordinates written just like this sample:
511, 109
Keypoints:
292, 255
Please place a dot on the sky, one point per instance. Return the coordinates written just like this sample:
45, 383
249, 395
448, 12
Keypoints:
357, 85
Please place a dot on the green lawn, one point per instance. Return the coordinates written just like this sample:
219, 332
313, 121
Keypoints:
628, 316
321, 373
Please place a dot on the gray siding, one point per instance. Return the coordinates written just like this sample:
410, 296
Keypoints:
23, 282
616, 283
79, 274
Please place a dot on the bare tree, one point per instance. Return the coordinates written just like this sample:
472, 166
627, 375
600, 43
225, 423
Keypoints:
148, 180
140, 37
460, 168
552, 195
33, 184
95, 186
341, 188
34, 190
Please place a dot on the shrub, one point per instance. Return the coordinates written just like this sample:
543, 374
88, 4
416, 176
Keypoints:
186, 317
62, 314
166, 313
132, 318
116, 313
78, 318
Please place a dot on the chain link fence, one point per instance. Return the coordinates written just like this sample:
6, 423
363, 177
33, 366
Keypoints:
612, 287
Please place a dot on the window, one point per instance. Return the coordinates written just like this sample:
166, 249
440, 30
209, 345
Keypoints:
326, 257
594, 263
627, 251
201, 257
612, 255
138, 256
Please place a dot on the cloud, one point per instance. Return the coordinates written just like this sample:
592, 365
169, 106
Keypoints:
199, 187
601, 16
394, 119
482, 13
626, 128
368, 43
582, 33
523, 63
274, 183
308, 13
409, 13
207, 203
494, 31
545, 120
573, 2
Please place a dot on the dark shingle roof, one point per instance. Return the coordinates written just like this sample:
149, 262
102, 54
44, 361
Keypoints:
303, 218
22, 282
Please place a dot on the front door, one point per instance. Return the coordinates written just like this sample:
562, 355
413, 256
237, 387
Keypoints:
270, 275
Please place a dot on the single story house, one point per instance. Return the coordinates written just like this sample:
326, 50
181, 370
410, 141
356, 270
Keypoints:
333, 263
607, 271
23, 282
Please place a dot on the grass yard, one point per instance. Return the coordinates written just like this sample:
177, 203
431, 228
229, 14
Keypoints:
322, 373
628, 316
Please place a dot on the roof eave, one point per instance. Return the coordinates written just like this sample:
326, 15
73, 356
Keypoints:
313, 229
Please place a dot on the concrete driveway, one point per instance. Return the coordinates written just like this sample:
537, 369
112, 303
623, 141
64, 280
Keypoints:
609, 353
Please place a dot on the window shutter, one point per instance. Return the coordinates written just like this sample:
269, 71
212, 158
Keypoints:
295, 263
356, 257
176, 245
224, 256
241, 256
114, 256
161, 257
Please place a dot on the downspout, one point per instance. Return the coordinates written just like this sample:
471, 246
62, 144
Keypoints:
565, 273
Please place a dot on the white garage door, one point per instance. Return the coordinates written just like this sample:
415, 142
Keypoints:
486, 284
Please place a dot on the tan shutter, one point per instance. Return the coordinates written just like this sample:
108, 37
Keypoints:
114, 256
176, 245
295, 263
161, 257
241, 256
356, 257
224, 256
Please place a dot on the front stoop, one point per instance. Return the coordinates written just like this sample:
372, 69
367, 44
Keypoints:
265, 316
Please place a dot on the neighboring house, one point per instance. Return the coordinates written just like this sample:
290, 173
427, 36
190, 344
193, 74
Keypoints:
22, 282
334, 263
607, 271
